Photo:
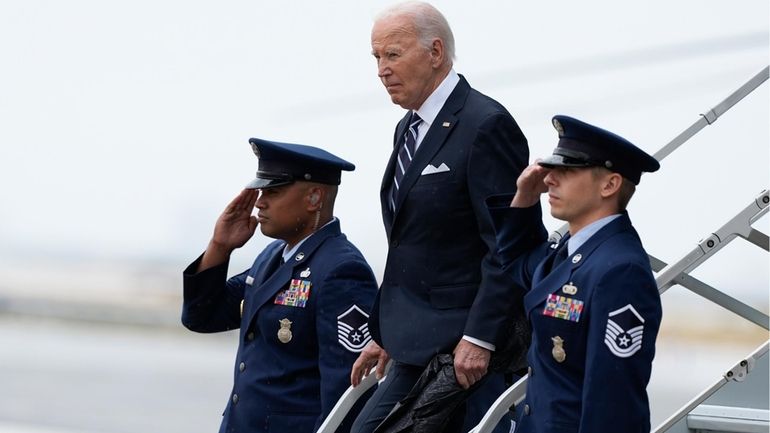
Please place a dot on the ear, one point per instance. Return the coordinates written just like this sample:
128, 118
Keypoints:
611, 185
437, 53
315, 199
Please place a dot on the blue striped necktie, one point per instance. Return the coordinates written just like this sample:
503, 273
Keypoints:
405, 155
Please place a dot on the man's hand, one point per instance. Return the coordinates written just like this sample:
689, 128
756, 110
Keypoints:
234, 228
530, 185
372, 355
236, 225
471, 362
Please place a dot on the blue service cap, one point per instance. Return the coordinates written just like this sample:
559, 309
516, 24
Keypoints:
285, 163
584, 145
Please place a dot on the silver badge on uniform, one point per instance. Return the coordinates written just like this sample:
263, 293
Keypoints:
625, 327
576, 258
558, 352
284, 334
353, 329
305, 273
569, 289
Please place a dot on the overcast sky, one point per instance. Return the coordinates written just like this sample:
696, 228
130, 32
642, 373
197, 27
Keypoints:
125, 125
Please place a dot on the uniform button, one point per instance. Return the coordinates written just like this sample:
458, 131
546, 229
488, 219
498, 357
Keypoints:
235, 398
526, 409
250, 336
394, 244
242, 366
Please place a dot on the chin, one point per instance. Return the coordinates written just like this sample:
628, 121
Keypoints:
558, 215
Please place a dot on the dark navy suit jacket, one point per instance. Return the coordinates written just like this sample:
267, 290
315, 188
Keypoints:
442, 279
287, 386
603, 305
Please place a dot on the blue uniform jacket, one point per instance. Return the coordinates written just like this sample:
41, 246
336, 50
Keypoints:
594, 321
301, 328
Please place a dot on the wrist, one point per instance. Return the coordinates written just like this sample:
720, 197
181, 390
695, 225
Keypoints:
219, 248
525, 199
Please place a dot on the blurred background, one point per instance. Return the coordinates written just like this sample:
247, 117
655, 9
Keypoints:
125, 129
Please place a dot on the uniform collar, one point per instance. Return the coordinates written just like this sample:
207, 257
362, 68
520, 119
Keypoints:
576, 241
289, 253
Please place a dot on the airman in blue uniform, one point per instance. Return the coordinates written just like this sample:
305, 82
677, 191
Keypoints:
592, 302
302, 308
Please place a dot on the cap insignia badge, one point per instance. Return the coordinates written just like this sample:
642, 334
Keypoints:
559, 128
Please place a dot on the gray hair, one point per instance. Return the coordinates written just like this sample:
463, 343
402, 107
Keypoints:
428, 22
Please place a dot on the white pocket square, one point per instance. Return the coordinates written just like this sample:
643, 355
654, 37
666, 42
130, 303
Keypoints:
430, 169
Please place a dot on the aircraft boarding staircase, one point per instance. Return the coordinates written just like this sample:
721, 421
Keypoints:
738, 401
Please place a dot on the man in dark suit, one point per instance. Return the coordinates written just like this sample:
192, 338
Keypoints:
592, 301
302, 308
443, 290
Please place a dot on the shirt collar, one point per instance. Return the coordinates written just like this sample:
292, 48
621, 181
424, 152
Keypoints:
576, 241
430, 108
287, 254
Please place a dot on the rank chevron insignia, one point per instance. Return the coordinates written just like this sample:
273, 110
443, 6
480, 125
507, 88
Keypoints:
624, 331
353, 329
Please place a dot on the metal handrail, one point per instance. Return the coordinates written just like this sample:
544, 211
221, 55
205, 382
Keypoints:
678, 272
347, 400
511, 397
709, 118
738, 373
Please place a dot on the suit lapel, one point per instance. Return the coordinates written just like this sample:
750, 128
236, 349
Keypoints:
272, 266
280, 278
543, 285
434, 139
387, 179
547, 284
541, 280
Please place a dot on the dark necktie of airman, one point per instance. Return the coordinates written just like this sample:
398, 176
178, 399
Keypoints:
273, 265
560, 256
405, 155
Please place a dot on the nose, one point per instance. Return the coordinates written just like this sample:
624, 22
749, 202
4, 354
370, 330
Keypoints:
549, 179
382, 69
260, 203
